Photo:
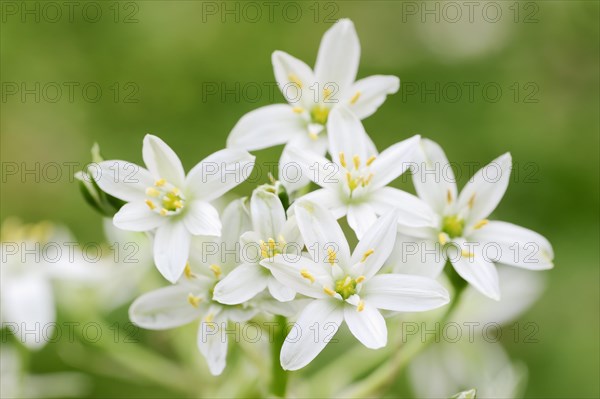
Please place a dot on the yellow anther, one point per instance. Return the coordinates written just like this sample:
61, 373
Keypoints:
328, 291
194, 300
313, 136
449, 196
360, 279
152, 192
351, 181
209, 318
187, 272
298, 110
160, 182
343, 160
216, 270
356, 160
355, 97
361, 306
366, 255
163, 212
370, 160
471, 201
281, 239
443, 238
331, 256
306, 274
480, 224
294, 79
326, 93
466, 253
178, 204
271, 244
150, 204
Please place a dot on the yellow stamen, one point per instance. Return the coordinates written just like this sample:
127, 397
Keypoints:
466, 253
328, 291
360, 279
471, 201
163, 212
294, 79
370, 160
351, 181
449, 196
355, 97
313, 136
298, 110
331, 256
368, 179
160, 182
356, 160
282, 241
152, 192
480, 224
306, 274
326, 93
194, 300
443, 238
366, 255
150, 204
178, 204
343, 160
187, 272
209, 318
271, 244
216, 270
361, 306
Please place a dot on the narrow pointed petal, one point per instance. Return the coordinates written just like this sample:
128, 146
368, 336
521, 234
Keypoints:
241, 284
368, 325
268, 215
279, 291
319, 169
348, 136
171, 249
291, 235
329, 199
393, 161
376, 246
212, 343
219, 173
413, 212
476, 270
163, 308
294, 78
514, 245
136, 216
201, 218
236, 217
485, 189
366, 95
404, 293
295, 175
300, 274
434, 178
339, 55
122, 179
361, 217
266, 127
417, 256
162, 161
321, 231
302, 344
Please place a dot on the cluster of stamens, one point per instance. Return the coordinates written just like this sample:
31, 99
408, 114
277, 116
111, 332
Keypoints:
271, 248
164, 198
356, 176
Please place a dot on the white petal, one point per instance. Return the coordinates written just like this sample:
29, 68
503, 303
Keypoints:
368, 325
404, 293
434, 178
347, 135
241, 284
339, 55
219, 173
163, 308
413, 212
378, 242
329, 199
421, 257
268, 215
320, 170
291, 234
475, 269
295, 175
236, 217
321, 231
212, 343
315, 327
289, 72
485, 189
393, 161
361, 217
136, 216
162, 161
171, 249
366, 95
28, 301
201, 218
514, 245
266, 127
122, 179
279, 291
288, 270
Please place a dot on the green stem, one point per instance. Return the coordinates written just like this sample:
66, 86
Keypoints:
279, 377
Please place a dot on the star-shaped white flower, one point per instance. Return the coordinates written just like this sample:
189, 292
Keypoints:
346, 287
354, 184
311, 95
462, 232
164, 199
271, 234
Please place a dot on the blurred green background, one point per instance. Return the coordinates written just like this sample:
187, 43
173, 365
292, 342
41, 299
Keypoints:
187, 75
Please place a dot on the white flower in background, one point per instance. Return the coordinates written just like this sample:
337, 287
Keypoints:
311, 96
354, 184
346, 287
271, 234
462, 233
34, 258
164, 199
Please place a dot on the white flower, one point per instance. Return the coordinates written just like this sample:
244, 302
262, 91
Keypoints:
162, 197
271, 234
346, 287
462, 233
354, 184
311, 96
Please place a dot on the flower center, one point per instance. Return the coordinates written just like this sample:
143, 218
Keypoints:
346, 287
271, 248
164, 198
319, 114
357, 175
453, 226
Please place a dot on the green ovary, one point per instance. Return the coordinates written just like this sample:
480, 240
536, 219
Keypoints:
319, 114
346, 287
453, 226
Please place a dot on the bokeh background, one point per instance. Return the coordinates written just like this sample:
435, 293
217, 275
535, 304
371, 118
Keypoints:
186, 74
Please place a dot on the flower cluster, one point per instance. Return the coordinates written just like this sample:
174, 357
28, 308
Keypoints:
281, 250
